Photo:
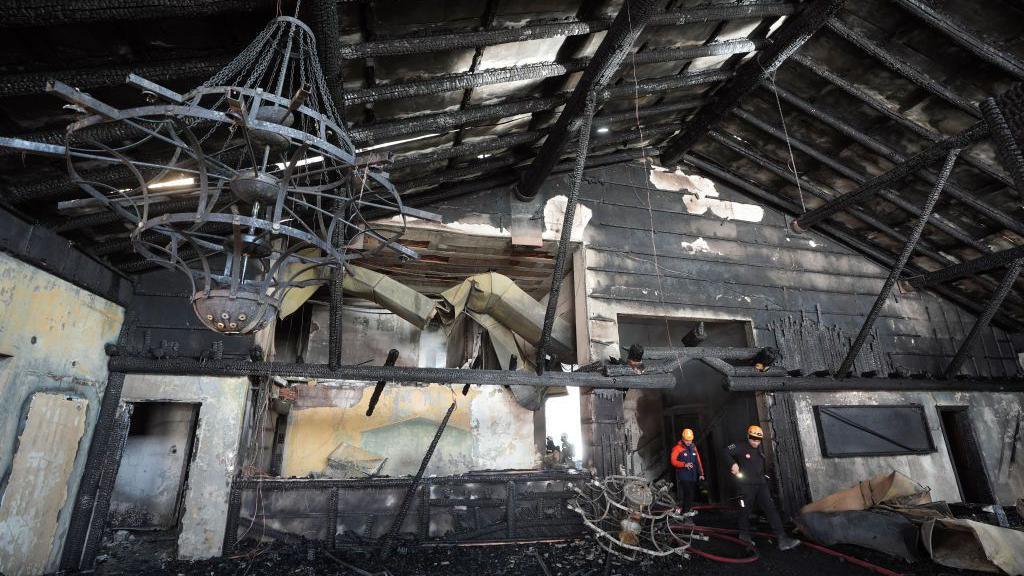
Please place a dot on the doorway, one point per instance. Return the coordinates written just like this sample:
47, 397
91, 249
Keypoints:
965, 454
153, 473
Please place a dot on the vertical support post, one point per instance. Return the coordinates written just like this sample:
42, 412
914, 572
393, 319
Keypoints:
337, 289
1005, 285
897, 268
231, 527
81, 516
510, 508
111, 463
1007, 148
566, 235
332, 518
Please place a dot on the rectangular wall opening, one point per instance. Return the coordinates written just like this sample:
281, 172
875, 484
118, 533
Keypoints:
698, 401
965, 453
153, 472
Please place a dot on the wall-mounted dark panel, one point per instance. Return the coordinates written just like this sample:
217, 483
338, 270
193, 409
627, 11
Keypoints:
873, 430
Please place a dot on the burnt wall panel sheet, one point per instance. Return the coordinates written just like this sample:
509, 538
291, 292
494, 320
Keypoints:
51, 341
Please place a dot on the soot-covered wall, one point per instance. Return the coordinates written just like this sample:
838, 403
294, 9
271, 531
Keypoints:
661, 243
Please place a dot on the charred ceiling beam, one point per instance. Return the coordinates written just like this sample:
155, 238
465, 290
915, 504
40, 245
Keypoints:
959, 34
446, 42
617, 43
897, 65
897, 268
787, 40
86, 78
737, 146
982, 321
839, 233
968, 268
811, 384
398, 374
933, 153
889, 112
666, 83
53, 12
326, 30
472, 79
967, 198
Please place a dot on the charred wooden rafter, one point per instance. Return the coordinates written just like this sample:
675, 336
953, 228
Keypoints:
968, 137
787, 40
446, 42
959, 34
982, 321
967, 198
897, 65
969, 268
617, 43
838, 232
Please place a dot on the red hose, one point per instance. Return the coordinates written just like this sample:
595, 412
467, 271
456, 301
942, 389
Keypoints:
716, 557
845, 557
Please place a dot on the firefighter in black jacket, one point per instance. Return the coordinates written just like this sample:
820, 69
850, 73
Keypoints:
748, 467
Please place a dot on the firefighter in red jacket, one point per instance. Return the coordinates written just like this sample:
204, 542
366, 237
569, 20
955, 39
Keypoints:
689, 469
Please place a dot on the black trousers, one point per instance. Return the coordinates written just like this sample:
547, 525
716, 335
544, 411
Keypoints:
757, 497
686, 491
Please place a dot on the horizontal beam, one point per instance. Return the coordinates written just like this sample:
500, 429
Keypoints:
446, 42
876, 146
397, 374
87, 78
53, 12
465, 80
969, 268
811, 384
933, 153
957, 33
785, 41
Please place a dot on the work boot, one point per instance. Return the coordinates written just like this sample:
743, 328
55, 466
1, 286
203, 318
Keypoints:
787, 543
746, 539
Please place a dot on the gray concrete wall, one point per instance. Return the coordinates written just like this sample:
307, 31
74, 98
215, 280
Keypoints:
51, 344
152, 466
218, 434
993, 417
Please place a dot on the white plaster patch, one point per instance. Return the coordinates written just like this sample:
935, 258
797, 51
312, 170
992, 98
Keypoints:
698, 245
702, 196
812, 244
502, 431
476, 229
554, 213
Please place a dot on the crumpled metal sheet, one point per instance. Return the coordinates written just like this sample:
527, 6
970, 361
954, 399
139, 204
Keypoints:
887, 533
971, 545
892, 488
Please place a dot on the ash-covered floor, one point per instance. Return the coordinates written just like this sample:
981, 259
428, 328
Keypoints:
147, 553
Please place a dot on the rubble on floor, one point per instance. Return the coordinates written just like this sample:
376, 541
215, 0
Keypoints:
582, 557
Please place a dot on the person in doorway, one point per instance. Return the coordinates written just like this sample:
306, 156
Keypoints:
749, 467
689, 469
568, 451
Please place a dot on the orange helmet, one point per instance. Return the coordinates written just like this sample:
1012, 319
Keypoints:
755, 432
687, 434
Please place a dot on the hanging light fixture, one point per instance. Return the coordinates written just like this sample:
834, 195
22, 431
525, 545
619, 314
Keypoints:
278, 189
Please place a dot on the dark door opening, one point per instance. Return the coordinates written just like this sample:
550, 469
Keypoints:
964, 451
151, 478
698, 401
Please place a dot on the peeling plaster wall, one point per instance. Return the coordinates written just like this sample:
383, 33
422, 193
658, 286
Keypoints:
52, 334
215, 451
993, 417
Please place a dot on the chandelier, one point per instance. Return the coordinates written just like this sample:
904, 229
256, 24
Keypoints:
277, 191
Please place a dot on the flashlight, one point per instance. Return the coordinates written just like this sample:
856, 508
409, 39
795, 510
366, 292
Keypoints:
739, 474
